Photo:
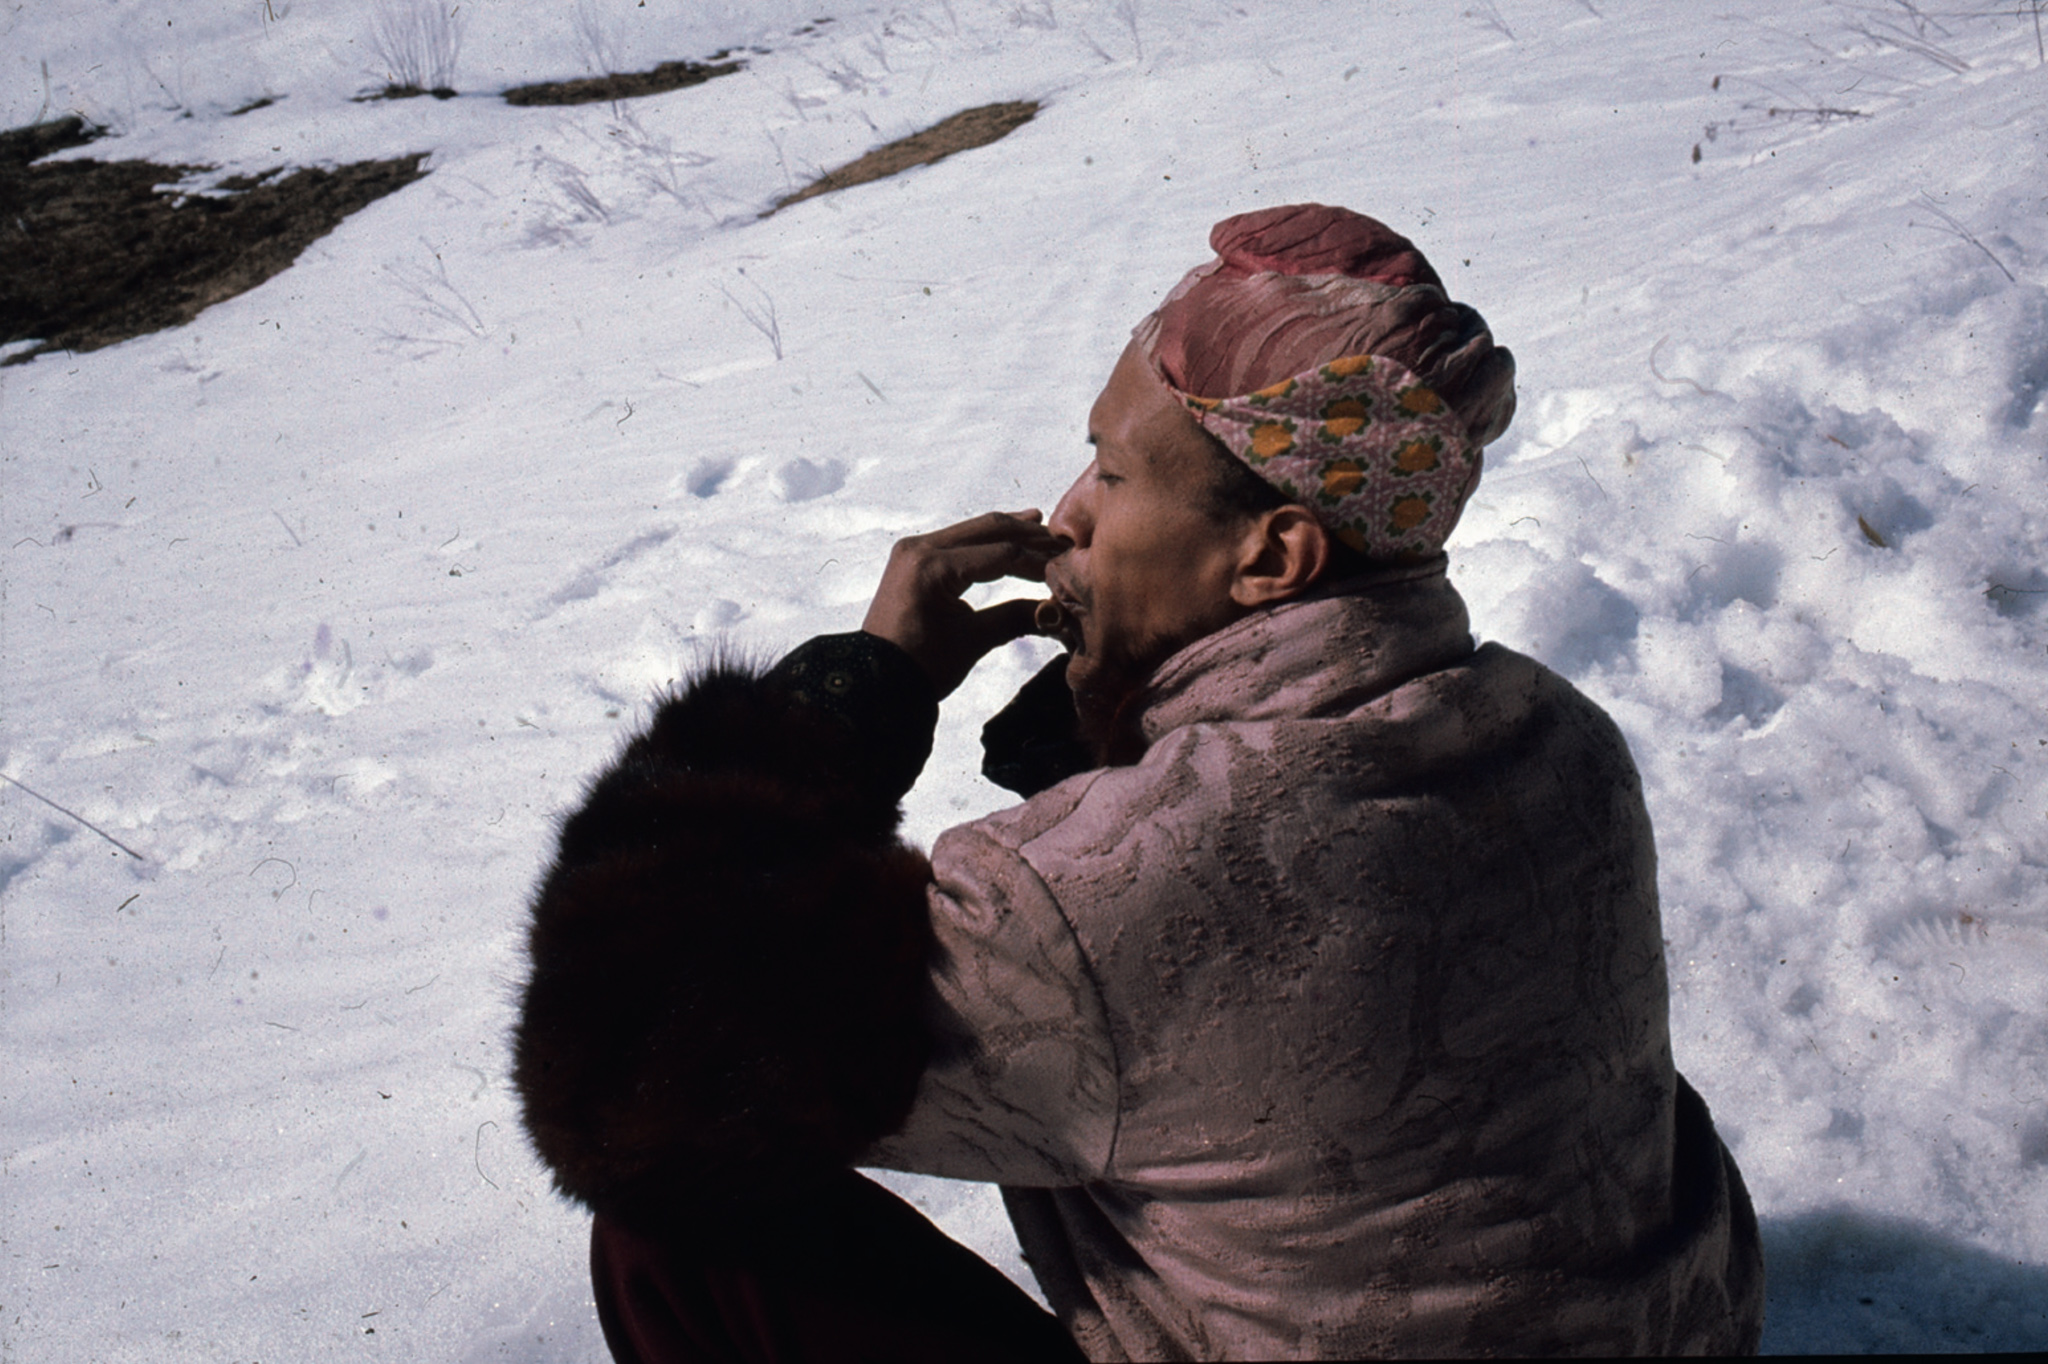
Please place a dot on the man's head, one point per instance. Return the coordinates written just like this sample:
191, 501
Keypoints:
1185, 521
1159, 556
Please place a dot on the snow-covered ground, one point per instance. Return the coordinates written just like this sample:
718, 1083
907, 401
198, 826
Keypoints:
325, 604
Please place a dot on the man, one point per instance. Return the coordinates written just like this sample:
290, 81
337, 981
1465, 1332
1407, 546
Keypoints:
1312, 1004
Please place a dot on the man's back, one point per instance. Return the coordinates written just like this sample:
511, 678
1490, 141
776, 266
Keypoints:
1349, 1026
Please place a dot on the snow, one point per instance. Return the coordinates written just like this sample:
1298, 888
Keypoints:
327, 603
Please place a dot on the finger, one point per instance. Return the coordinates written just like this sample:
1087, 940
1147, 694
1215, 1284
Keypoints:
952, 570
999, 624
989, 526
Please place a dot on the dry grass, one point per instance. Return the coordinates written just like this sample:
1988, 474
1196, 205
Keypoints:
624, 84
967, 129
97, 254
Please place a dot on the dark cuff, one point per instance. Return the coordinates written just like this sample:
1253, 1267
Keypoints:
1035, 741
873, 690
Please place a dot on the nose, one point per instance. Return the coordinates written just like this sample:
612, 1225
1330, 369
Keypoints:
1073, 519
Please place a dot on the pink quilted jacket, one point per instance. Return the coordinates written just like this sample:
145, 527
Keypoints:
1337, 1025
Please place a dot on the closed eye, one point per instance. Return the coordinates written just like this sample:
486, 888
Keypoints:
1101, 475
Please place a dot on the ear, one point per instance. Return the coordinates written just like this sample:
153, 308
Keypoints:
1283, 553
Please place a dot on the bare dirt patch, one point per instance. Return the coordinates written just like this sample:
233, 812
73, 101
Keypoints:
625, 84
404, 92
965, 130
96, 253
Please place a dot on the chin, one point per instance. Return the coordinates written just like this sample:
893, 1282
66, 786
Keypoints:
1082, 670
1103, 691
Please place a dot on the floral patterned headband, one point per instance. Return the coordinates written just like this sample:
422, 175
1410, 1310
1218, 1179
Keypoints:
1376, 453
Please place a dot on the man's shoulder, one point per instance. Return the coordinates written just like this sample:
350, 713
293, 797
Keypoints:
1014, 827
1491, 707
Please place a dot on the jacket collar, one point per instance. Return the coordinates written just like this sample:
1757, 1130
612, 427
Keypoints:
1323, 654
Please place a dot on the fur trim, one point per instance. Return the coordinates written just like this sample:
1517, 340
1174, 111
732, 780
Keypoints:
728, 960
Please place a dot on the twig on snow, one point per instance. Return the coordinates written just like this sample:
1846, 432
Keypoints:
1662, 377
661, 159
435, 295
1038, 16
1819, 113
796, 101
1956, 229
278, 894
1939, 56
418, 43
762, 318
479, 1155
597, 40
1489, 16
1097, 48
788, 180
1127, 11
585, 206
74, 815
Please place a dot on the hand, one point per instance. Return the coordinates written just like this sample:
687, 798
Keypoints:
917, 607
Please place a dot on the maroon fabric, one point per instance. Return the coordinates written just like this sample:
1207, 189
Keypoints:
857, 1276
1311, 239
1301, 285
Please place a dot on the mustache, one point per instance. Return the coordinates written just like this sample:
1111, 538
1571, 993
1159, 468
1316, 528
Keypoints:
1066, 593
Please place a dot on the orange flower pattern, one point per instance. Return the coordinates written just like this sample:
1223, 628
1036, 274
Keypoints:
1341, 478
1421, 400
1418, 456
1343, 418
1270, 439
1375, 452
1408, 513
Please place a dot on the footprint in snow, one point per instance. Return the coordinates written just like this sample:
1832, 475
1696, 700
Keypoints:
593, 580
12, 866
707, 476
800, 479
719, 614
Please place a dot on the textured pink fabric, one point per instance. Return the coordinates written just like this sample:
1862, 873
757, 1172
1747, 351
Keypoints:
1302, 285
1336, 1026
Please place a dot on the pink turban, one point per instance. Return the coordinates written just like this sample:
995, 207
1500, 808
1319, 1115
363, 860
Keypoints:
1294, 291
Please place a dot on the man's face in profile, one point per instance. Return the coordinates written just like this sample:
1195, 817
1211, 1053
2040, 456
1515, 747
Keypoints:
1150, 567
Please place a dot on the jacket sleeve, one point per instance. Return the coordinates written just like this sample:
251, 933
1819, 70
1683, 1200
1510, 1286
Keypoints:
1021, 1087
728, 951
